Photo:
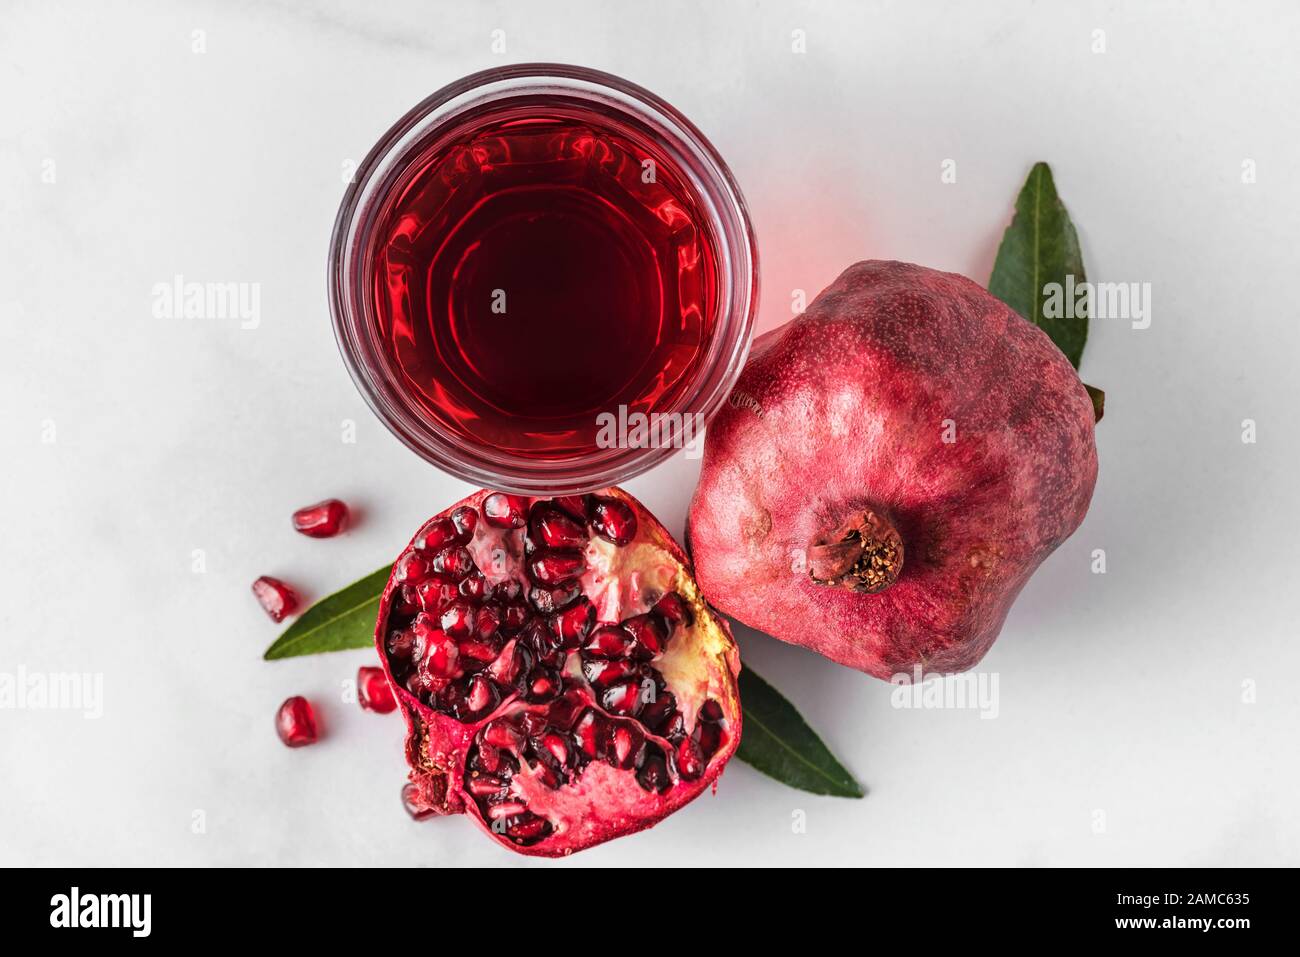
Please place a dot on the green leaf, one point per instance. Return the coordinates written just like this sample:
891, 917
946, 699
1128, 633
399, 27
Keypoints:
344, 620
777, 741
1041, 247
1098, 401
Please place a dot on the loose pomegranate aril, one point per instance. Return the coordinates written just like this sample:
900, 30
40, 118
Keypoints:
612, 520
276, 598
556, 568
513, 688
321, 520
505, 511
295, 722
373, 692
607, 641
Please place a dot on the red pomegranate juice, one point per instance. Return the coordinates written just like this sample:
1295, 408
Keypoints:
538, 266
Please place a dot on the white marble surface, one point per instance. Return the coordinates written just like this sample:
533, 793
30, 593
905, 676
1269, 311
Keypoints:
1120, 693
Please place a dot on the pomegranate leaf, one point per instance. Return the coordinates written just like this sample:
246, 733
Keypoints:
343, 620
1041, 247
1098, 401
778, 741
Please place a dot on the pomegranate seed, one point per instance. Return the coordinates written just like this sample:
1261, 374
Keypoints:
412, 567
528, 827
551, 527
550, 600
674, 729
533, 723
486, 758
623, 698
434, 595
711, 711
626, 743
478, 651
543, 684
556, 568
648, 634
690, 762
656, 714
575, 505
506, 809
508, 591
483, 785
458, 618
508, 664
435, 534
708, 736
607, 641
589, 733
440, 652
572, 625
601, 674
502, 734
482, 695
414, 803
653, 775
322, 520
452, 561
464, 520
406, 646
475, 586
295, 722
516, 616
672, 608
557, 747
487, 621
373, 691
612, 520
505, 511
276, 598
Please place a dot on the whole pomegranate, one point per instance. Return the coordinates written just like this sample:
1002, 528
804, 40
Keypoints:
891, 468
562, 680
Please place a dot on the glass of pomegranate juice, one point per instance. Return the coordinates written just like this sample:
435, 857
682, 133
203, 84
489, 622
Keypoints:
543, 279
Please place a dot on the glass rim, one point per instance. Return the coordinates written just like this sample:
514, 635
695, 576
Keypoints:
352, 314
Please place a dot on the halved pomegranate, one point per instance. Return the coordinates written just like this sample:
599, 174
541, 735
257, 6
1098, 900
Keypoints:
562, 679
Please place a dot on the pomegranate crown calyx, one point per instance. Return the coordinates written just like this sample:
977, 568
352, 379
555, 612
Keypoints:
865, 554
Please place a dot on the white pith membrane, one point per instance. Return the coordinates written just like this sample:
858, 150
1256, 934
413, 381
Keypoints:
563, 760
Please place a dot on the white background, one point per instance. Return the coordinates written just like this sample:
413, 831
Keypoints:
1120, 693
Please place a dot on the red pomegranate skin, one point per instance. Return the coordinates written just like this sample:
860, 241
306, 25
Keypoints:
846, 409
702, 664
